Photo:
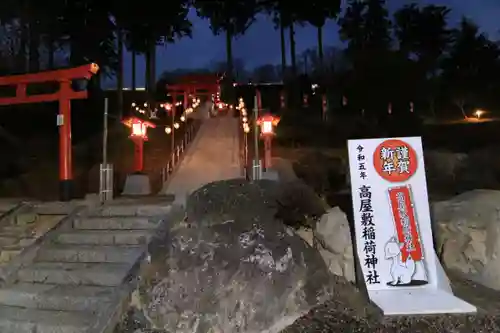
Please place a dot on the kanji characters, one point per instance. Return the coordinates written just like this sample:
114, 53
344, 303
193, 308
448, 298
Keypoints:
395, 160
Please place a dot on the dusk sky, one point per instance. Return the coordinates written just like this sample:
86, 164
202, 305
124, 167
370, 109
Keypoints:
260, 45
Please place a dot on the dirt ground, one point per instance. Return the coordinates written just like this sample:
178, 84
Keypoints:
349, 311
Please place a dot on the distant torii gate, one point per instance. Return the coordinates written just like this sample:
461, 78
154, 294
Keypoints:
192, 84
64, 95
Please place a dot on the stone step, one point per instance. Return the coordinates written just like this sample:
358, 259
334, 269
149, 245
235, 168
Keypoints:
16, 229
20, 320
8, 240
56, 297
114, 223
6, 255
90, 253
157, 207
75, 273
105, 237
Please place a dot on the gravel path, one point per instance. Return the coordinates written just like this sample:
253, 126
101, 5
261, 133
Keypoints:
349, 311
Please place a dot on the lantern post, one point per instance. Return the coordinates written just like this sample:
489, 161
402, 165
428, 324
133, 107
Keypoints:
324, 107
267, 124
282, 100
305, 101
138, 135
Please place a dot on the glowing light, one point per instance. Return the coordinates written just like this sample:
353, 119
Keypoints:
176, 125
244, 119
183, 118
145, 105
246, 128
139, 129
478, 113
168, 130
267, 127
133, 105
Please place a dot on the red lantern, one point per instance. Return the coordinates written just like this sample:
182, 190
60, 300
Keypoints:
267, 124
138, 135
282, 100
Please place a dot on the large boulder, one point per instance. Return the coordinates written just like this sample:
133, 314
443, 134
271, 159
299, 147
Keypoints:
223, 201
228, 272
449, 172
467, 232
334, 242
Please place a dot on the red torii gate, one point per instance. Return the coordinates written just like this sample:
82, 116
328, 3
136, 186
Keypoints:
64, 95
192, 83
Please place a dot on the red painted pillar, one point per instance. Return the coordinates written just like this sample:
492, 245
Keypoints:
65, 161
267, 151
186, 100
172, 136
138, 155
259, 100
324, 106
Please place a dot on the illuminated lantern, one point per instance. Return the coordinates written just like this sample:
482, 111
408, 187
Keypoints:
267, 124
138, 134
267, 128
139, 129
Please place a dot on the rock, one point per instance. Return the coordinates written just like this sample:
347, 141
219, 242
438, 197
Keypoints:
227, 275
26, 218
334, 243
443, 165
467, 232
223, 201
323, 172
306, 234
450, 173
298, 204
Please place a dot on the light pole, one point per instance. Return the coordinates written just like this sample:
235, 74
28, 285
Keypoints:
256, 165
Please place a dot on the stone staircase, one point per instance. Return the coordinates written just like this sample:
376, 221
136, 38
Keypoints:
22, 225
79, 278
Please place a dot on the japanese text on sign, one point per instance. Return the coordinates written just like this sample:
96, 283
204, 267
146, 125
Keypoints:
405, 221
395, 161
367, 222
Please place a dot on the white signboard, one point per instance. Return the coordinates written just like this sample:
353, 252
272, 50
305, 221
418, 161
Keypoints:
393, 228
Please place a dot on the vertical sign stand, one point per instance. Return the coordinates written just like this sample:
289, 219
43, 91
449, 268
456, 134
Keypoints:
105, 168
393, 234
256, 163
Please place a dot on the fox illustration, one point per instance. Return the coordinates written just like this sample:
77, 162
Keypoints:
401, 272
